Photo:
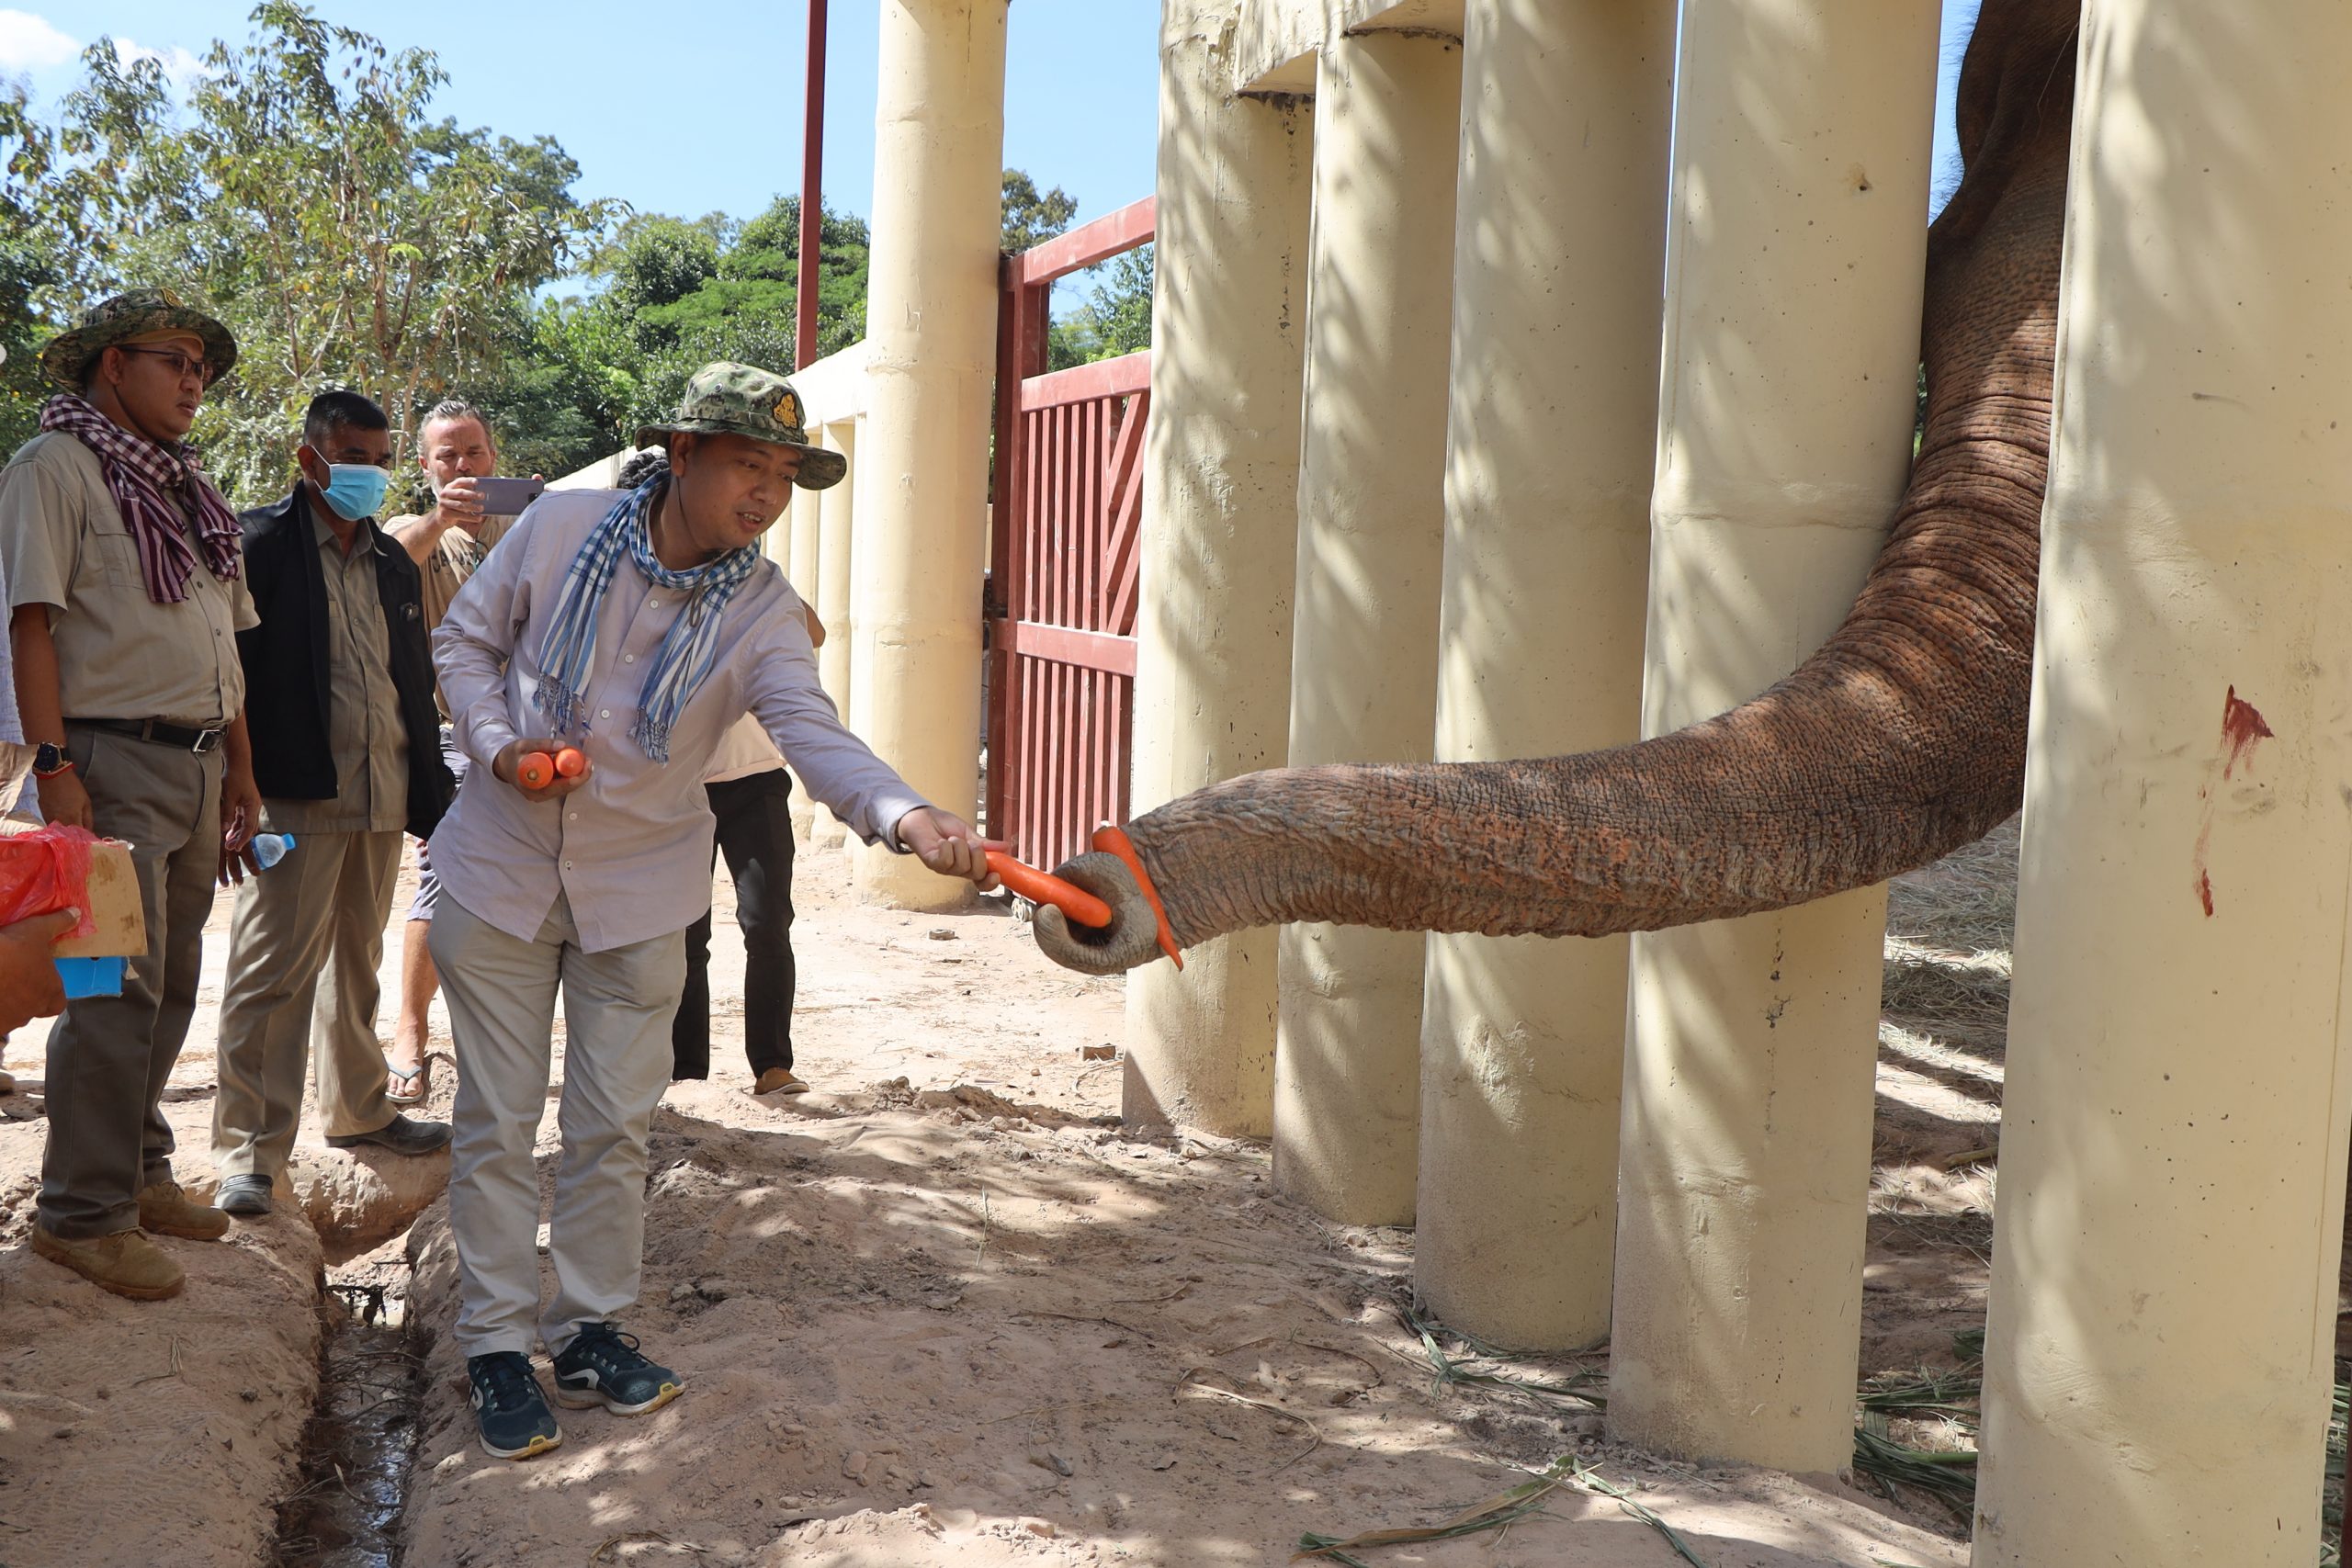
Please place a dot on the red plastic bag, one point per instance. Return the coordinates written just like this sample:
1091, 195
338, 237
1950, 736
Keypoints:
47, 869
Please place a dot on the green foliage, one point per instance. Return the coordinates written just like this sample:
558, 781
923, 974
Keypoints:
302, 190
305, 194
1031, 219
1114, 319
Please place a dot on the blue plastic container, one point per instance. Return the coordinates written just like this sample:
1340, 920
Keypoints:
90, 976
270, 848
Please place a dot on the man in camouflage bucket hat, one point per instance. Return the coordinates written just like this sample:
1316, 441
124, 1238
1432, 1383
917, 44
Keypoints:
639, 627
143, 316
126, 593
727, 398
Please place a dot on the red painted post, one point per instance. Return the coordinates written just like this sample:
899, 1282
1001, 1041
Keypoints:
812, 196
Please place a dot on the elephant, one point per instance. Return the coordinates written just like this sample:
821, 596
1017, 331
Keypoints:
1901, 739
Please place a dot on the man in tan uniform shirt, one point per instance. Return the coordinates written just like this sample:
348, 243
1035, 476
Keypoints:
125, 601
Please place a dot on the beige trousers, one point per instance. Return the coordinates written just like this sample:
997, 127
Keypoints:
618, 1006
304, 945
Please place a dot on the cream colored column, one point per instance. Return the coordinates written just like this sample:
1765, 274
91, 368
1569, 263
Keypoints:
1560, 242
2163, 1319
862, 564
1371, 550
836, 514
1795, 261
1220, 537
931, 321
799, 565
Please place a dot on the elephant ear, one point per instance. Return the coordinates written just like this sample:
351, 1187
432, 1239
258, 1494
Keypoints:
1131, 939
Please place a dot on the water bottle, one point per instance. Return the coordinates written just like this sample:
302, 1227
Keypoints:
270, 848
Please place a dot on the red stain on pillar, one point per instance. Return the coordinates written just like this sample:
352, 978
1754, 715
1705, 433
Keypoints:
2242, 726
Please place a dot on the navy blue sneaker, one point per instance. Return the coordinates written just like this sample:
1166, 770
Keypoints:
513, 1413
601, 1366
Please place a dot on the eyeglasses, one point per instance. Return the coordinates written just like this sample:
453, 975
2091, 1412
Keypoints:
204, 370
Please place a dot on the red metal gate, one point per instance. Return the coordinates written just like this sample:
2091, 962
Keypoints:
1067, 510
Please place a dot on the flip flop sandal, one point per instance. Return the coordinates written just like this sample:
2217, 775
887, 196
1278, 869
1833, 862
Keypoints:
420, 1078
410, 1086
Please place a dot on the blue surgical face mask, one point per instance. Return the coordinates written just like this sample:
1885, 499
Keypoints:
356, 490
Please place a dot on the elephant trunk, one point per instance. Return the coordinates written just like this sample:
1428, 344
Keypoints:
1902, 737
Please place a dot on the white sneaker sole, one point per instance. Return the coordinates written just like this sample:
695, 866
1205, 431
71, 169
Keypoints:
589, 1399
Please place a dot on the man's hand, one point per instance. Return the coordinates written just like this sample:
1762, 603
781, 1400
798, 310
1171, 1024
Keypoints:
510, 756
458, 506
239, 808
236, 863
64, 801
29, 987
945, 842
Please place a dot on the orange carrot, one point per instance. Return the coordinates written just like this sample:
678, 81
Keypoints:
535, 771
1039, 887
571, 761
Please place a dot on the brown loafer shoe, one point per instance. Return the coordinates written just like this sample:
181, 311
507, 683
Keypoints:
164, 1210
779, 1080
125, 1263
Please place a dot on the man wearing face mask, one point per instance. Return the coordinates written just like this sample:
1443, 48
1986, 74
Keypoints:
126, 592
347, 754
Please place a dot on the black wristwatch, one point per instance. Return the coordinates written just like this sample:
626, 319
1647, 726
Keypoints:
49, 760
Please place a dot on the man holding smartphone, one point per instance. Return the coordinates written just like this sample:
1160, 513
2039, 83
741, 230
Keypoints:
459, 453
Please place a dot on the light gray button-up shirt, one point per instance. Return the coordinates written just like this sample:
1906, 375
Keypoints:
631, 849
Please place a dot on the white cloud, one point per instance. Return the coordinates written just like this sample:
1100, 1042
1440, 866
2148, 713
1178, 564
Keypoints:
29, 43
178, 64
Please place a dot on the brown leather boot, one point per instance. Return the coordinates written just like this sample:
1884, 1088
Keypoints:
125, 1263
164, 1210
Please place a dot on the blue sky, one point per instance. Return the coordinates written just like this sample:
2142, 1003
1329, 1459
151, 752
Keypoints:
642, 103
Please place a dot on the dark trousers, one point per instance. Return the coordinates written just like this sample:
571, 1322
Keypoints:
109, 1057
755, 835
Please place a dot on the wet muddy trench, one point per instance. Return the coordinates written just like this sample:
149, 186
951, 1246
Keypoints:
359, 1449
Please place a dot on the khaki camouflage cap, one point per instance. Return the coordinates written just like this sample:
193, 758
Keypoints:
728, 399
128, 316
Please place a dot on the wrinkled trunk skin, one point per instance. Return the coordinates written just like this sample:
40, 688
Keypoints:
1900, 740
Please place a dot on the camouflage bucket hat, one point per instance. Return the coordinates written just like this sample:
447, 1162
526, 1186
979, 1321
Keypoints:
127, 316
727, 398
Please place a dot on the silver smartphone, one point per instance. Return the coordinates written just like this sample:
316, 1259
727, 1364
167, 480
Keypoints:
507, 497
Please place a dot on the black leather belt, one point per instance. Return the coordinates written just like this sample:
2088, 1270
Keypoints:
156, 732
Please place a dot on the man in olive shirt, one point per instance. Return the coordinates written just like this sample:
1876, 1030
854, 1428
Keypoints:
347, 754
126, 593
455, 447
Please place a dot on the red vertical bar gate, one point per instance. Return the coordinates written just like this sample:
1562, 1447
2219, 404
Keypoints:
1067, 507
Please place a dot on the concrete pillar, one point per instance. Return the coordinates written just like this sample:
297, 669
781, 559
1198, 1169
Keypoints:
835, 516
1795, 256
2164, 1316
1371, 549
931, 325
1559, 250
799, 564
1220, 537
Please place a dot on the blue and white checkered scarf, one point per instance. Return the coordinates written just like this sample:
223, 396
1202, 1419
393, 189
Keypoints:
687, 652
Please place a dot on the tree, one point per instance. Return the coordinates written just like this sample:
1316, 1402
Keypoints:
1116, 319
1030, 219
309, 198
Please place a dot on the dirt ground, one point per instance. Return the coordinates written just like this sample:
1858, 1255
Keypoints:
946, 1311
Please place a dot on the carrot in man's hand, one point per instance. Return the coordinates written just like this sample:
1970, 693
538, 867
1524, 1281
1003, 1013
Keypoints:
536, 770
1042, 888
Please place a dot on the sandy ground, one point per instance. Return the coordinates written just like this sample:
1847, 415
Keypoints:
942, 1310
